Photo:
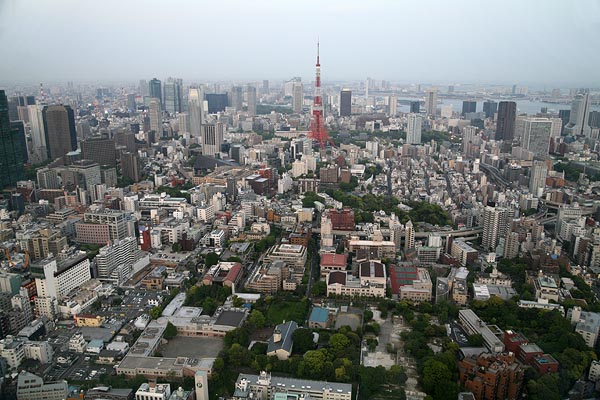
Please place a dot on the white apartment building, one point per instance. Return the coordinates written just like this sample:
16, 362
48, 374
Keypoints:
59, 279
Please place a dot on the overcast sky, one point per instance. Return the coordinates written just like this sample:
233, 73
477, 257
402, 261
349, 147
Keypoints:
552, 42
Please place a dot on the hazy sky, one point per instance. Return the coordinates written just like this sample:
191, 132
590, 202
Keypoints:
553, 42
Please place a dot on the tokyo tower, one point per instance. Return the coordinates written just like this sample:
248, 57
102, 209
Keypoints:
317, 124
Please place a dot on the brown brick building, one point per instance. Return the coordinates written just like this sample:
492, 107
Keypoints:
492, 376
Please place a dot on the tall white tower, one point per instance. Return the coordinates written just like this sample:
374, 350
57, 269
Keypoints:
201, 385
413, 131
195, 105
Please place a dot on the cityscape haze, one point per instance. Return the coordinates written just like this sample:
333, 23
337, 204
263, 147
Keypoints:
276, 200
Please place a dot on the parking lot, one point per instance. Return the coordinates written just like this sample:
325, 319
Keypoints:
459, 335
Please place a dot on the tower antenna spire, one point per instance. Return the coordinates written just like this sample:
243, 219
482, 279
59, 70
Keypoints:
317, 125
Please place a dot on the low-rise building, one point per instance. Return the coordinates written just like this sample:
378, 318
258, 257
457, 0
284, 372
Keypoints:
153, 391
281, 343
409, 282
371, 281
224, 274
332, 262
474, 325
266, 387
33, 387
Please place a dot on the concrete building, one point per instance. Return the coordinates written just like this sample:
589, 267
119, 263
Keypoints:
33, 387
408, 282
474, 325
371, 281
153, 391
431, 102
266, 387
57, 279
212, 139
413, 130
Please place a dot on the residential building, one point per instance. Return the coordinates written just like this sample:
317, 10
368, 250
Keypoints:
413, 130
492, 376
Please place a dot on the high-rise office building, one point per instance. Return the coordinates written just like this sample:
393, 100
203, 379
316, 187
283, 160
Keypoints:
494, 225
265, 87
393, 105
578, 120
298, 97
59, 130
11, 148
216, 102
489, 108
155, 118
251, 96
143, 88
131, 105
345, 103
130, 166
20, 127
537, 178
536, 135
172, 94
413, 130
468, 107
39, 151
212, 139
237, 98
505, 125
431, 102
155, 91
565, 116
100, 150
195, 103
594, 119
415, 107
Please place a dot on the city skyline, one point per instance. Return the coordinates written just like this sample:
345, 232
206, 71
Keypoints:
267, 40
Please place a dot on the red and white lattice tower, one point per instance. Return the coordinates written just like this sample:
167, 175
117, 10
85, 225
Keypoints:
317, 124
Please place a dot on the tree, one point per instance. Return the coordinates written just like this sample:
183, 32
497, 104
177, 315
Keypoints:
170, 331
211, 259
257, 319
368, 315
434, 374
476, 340
238, 355
176, 247
339, 344
155, 312
314, 362
303, 340
319, 289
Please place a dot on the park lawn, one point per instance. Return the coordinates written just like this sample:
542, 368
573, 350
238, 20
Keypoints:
283, 310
